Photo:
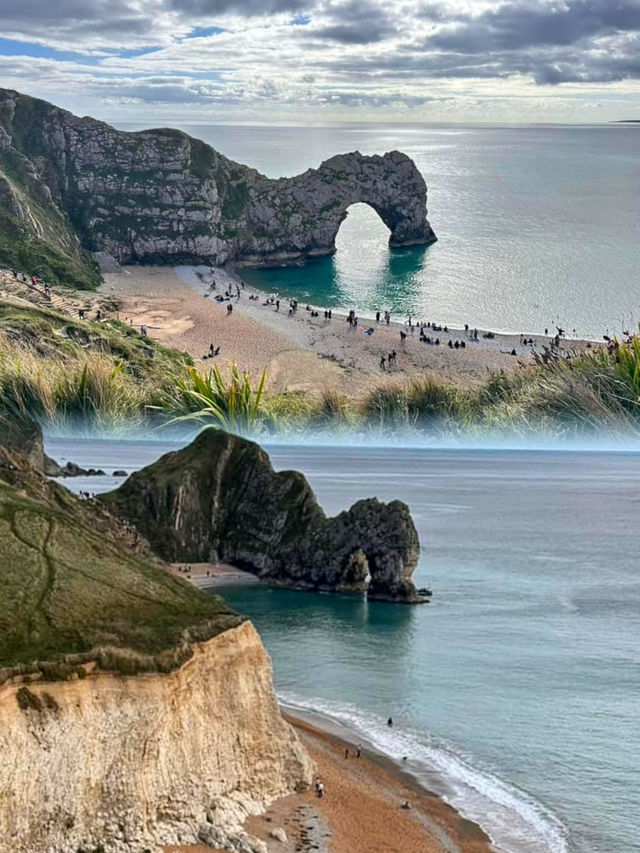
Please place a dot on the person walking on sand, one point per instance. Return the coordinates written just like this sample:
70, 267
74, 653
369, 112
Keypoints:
383, 363
277, 304
229, 309
346, 752
319, 789
358, 751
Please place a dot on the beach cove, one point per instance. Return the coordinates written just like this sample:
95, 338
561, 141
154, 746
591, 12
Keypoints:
534, 577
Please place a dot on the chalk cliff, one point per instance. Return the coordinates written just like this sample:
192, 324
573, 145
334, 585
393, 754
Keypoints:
68, 184
219, 498
128, 763
134, 709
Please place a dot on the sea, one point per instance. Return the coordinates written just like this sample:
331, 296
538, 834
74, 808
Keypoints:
538, 225
515, 693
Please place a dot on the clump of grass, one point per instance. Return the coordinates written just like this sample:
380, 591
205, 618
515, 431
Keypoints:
432, 402
66, 374
231, 403
386, 405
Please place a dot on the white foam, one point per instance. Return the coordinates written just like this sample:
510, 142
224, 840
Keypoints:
515, 821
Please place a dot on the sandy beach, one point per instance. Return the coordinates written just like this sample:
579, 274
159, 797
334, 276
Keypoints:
361, 811
299, 352
210, 575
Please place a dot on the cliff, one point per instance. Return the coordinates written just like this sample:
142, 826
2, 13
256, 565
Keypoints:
127, 763
134, 709
69, 184
219, 498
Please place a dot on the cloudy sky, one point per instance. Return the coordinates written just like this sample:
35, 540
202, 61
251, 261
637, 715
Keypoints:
327, 60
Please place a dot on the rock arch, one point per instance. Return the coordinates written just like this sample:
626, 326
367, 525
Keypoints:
161, 196
297, 218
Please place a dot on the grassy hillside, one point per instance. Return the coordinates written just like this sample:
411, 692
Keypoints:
76, 589
35, 235
68, 372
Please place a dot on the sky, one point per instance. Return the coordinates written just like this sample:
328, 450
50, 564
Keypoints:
317, 61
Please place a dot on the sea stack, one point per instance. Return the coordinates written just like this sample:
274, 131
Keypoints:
220, 499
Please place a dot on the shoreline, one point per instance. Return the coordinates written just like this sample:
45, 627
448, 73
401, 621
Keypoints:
213, 575
362, 808
300, 353
445, 828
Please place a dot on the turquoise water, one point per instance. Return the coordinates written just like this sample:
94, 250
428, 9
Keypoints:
516, 692
536, 225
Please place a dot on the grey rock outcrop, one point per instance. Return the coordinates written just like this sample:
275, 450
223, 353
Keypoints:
161, 196
220, 499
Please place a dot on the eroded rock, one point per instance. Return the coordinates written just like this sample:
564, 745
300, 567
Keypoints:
220, 499
160, 196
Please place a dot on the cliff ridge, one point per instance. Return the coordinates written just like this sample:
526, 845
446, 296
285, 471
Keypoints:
70, 185
220, 499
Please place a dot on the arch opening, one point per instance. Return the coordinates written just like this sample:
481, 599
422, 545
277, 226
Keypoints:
362, 225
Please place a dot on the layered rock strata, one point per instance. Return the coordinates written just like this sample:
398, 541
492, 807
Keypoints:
161, 196
117, 763
220, 499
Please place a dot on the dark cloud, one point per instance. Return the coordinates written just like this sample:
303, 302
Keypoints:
356, 22
210, 8
523, 24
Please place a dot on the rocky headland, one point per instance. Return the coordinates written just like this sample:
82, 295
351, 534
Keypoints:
219, 499
135, 711
71, 185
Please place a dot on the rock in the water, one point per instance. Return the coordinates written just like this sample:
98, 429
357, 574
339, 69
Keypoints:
220, 499
160, 196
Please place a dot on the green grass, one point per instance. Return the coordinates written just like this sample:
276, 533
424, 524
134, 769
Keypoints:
106, 376
76, 374
73, 591
230, 403
575, 395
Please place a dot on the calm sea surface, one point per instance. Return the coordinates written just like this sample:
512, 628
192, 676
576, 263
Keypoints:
537, 225
516, 693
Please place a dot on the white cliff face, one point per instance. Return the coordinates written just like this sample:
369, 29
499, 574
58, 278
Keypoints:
127, 763
162, 196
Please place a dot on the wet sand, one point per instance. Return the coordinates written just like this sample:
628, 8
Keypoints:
361, 810
299, 352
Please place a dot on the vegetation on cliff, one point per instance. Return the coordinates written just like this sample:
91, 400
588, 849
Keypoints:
79, 589
71, 185
78, 374
219, 498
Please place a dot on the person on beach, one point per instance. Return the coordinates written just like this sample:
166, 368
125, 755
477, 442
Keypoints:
383, 363
229, 309
346, 752
377, 316
358, 751
390, 722
319, 789
277, 305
